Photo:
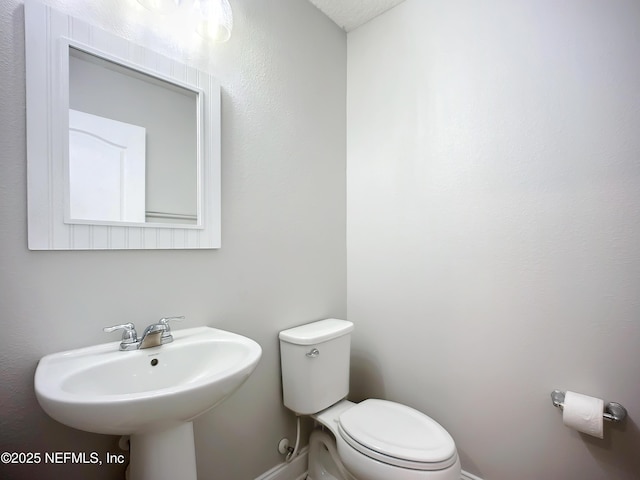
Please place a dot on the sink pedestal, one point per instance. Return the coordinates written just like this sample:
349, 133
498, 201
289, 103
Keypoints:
166, 455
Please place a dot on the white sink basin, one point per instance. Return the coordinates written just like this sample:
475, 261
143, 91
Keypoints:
104, 390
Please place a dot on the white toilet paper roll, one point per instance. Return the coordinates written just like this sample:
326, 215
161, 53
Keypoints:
583, 413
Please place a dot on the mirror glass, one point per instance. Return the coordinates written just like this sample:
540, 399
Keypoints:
123, 143
133, 145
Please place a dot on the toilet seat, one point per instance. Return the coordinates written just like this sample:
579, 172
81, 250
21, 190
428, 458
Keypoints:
397, 435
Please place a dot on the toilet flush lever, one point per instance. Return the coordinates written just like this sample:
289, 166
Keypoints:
313, 353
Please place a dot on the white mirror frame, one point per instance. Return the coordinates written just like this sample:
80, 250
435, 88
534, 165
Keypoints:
47, 35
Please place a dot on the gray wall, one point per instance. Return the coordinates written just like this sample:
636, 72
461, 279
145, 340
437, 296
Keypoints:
494, 224
282, 263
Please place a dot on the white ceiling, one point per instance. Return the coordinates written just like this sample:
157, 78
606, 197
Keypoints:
350, 14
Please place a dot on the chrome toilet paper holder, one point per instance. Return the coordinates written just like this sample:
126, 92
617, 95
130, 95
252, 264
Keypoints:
613, 412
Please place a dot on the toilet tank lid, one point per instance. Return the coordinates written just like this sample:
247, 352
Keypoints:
316, 332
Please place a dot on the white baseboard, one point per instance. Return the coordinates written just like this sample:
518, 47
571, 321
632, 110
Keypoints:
297, 470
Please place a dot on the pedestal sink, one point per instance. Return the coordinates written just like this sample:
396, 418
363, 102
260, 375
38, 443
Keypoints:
151, 394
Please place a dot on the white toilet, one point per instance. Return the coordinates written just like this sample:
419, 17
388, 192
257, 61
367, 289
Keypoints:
370, 440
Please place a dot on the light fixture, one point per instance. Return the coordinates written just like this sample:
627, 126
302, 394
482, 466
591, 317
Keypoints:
213, 18
161, 6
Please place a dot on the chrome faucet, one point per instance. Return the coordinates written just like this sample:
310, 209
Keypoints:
154, 335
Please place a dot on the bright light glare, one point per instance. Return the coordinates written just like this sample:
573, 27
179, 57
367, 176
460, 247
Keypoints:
215, 19
161, 6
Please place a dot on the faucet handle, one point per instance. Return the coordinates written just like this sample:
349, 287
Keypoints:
166, 335
165, 321
129, 334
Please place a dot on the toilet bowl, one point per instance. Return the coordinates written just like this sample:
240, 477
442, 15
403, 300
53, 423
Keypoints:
371, 440
380, 440
324, 461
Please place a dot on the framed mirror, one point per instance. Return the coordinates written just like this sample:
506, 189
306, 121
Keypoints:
123, 144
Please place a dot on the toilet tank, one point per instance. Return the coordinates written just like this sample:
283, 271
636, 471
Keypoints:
315, 364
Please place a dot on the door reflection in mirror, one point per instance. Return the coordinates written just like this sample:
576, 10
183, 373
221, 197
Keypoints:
106, 169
